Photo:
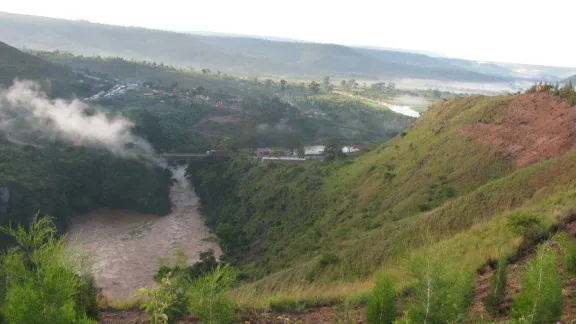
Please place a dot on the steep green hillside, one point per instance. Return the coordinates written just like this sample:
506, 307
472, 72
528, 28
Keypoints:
14, 63
321, 229
57, 80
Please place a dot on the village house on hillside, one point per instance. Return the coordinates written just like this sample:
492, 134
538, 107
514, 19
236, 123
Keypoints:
314, 152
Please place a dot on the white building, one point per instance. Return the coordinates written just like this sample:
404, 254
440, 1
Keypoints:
314, 150
349, 149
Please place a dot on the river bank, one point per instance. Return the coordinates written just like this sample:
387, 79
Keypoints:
128, 247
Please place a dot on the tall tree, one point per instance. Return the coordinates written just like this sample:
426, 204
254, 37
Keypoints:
326, 84
381, 308
151, 129
352, 84
314, 87
333, 150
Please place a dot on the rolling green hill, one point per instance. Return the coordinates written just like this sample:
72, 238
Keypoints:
325, 229
16, 64
228, 54
57, 80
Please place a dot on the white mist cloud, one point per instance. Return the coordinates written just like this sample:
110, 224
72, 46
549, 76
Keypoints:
25, 108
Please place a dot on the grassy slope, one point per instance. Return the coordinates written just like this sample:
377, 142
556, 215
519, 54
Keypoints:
366, 220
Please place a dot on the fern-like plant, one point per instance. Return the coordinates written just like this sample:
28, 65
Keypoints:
540, 300
45, 281
442, 290
568, 246
208, 299
159, 301
497, 292
381, 307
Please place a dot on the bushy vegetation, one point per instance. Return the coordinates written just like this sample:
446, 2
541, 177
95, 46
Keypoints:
204, 295
43, 282
381, 308
442, 291
160, 300
208, 299
65, 181
540, 300
207, 264
566, 92
568, 247
497, 291
523, 223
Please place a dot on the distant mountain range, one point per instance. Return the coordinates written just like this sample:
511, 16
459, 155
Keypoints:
238, 54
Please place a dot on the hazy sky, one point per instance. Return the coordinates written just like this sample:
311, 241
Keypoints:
523, 31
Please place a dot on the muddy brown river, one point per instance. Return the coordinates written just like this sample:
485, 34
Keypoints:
128, 246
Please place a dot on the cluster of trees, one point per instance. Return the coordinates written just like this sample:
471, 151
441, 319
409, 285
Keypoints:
242, 214
389, 87
63, 181
566, 91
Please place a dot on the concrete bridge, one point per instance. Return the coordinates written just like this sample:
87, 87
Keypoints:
186, 157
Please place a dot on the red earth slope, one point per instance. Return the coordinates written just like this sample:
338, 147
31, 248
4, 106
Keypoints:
532, 128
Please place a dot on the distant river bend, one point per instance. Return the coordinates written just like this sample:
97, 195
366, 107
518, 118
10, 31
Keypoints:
129, 246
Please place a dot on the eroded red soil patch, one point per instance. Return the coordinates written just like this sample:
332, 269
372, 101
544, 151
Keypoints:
532, 128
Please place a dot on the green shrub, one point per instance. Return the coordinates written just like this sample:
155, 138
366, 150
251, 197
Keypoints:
568, 247
207, 263
381, 307
208, 299
160, 300
46, 282
442, 291
522, 223
86, 297
328, 259
570, 257
540, 300
423, 207
497, 293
